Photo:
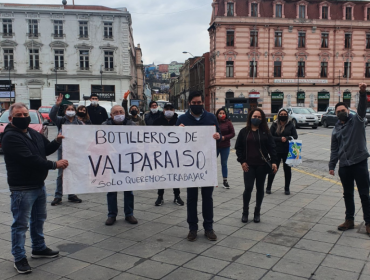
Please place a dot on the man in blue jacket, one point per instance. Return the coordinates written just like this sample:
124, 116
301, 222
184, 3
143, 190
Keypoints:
197, 116
349, 146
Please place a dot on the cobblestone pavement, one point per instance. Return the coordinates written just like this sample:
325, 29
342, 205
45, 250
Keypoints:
296, 239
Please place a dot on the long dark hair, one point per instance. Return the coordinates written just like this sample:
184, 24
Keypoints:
85, 118
263, 126
218, 111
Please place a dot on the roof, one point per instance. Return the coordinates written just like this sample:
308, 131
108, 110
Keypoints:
66, 7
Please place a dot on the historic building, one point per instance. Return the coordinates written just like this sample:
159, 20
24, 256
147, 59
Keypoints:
279, 53
70, 49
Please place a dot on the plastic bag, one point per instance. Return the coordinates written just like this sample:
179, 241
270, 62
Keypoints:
294, 156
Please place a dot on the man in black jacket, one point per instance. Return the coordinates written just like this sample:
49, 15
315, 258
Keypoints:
97, 114
25, 152
168, 118
153, 114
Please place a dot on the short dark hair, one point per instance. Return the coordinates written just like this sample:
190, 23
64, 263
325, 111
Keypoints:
340, 104
219, 110
94, 95
194, 94
151, 103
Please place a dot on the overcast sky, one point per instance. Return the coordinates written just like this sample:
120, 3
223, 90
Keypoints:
164, 28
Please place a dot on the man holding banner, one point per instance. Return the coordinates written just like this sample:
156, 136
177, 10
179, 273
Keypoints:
197, 116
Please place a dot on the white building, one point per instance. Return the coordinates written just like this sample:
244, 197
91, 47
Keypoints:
87, 45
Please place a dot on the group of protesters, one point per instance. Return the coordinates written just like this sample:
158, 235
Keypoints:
259, 150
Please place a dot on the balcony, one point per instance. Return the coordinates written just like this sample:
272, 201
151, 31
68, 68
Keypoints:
8, 35
109, 69
58, 35
34, 68
84, 68
33, 35
83, 36
59, 68
108, 37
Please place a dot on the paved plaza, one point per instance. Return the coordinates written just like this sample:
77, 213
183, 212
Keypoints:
296, 239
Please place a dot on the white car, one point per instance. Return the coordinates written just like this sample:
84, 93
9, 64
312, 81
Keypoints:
302, 117
317, 114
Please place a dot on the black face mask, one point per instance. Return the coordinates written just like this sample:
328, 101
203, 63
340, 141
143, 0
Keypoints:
342, 116
283, 118
21, 123
196, 109
134, 112
81, 114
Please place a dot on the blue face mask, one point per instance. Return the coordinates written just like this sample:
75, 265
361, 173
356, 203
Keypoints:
256, 122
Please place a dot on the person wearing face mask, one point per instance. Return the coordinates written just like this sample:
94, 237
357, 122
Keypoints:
118, 117
282, 130
25, 152
97, 114
168, 118
135, 115
69, 118
197, 116
223, 147
83, 115
254, 146
153, 114
349, 147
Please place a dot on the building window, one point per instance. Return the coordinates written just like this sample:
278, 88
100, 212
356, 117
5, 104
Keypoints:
108, 30
324, 70
108, 61
254, 10
348, 13
324, 40
33, 28
253, 69
368, 13
277, 69
8, 59
7, 27
301, 69
230, 38
367, 70
348, 41
84, 60
58, 29
279, 11
84, 29
347, 70
368, 40
229, 69
278, 39
301, 39
59, 59
230, 9
302, 11
229, 94
254, 38
325, 12
34, 59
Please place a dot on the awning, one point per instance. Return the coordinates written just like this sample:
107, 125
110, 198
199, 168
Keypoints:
277, 95
323, 95
347, 95
254, 94
301, 95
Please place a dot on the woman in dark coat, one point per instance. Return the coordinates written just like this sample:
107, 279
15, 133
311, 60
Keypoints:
282, 130
254, 147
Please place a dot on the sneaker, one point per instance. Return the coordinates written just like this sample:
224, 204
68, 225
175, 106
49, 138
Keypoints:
178, 201
56, 201
110, 221
131, 219
192, 236
47, 253
74, 198
22, 266
159, 201
348, 224
210, 234
226, 185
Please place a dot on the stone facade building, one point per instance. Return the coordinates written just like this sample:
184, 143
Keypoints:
279, 53
70, 49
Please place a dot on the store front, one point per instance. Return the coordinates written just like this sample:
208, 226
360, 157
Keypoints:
253, 97
107, 93
301, 98
277, 101
347, 98
71, 93
7, 94
323, 101
237, 109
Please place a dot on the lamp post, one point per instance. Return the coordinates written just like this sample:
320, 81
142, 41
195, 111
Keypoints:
10, 84
188, 53
56, 79
101, 78
339, 88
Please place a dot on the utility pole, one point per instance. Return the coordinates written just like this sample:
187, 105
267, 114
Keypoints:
101, 78
10, 84
339, 88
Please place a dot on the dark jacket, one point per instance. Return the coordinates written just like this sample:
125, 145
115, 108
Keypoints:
97, 114
137, 120
162, 120
125, 122
227, 131
348, 140
150, 117
206, 118
289, 131
25, 159
268, 146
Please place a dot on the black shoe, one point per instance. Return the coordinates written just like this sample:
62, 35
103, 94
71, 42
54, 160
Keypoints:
110, 221
131, 219
56, 201
159, 201
245, 219
74, 198
178, 201
256, 217
210, 234
47, 253
226, 185
268, 191
22, 266
192, 236
287, 192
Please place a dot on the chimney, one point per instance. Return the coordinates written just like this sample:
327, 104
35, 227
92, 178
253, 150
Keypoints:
64, 2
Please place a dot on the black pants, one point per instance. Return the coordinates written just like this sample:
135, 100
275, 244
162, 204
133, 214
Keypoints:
207, 208
358, 172
258, 174
176, 192
287, 172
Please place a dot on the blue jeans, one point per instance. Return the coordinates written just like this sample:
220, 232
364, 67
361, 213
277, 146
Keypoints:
128, 204
59, 189
28, 207
224, 157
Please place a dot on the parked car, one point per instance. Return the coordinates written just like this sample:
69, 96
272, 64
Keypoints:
302, 117
330, 118
317, 114
45, 111
368, 113
37, 123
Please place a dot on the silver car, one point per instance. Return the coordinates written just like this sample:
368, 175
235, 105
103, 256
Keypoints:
317, 114
302, 117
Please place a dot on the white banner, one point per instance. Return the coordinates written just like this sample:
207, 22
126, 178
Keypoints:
127, 158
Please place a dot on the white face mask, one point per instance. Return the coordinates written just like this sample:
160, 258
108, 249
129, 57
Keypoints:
71, 113
94, 103
154, 110
119, 118
169, 114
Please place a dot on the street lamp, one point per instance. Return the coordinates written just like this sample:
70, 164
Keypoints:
188, 53
56, 79
10, 84
101, 78
339, 88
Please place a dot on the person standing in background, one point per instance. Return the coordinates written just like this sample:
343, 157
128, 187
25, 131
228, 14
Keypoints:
83, 115
97, 114
135, 115
153, 114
